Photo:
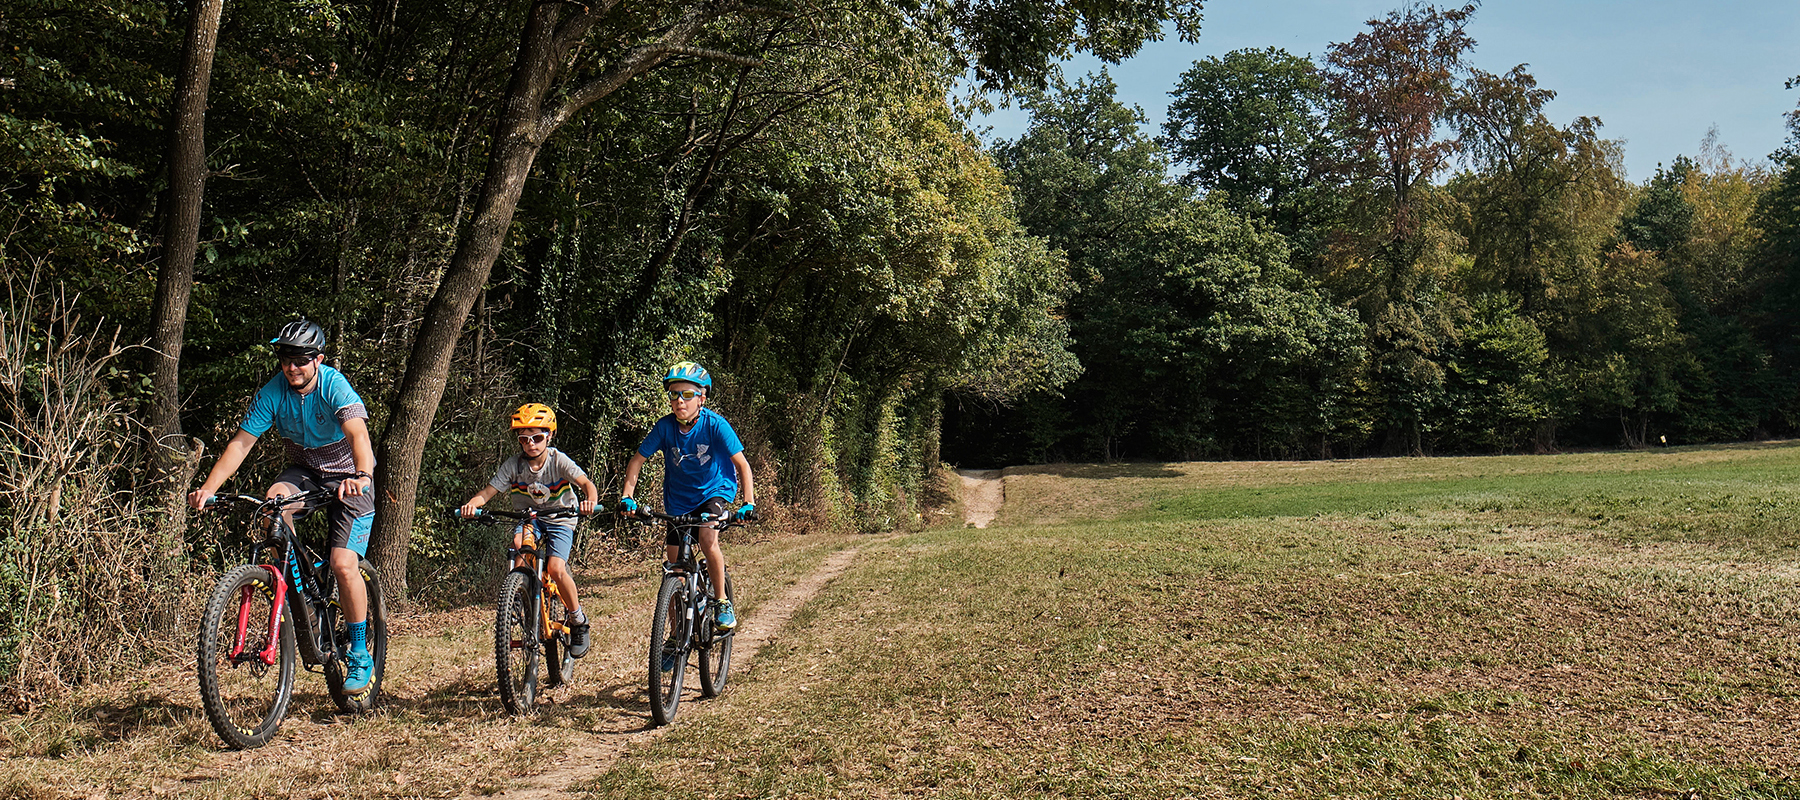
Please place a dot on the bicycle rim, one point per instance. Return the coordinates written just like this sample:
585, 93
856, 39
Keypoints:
666, 624
516, 645
244, 697
715, 657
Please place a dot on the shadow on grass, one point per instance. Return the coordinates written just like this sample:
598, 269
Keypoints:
1124, 469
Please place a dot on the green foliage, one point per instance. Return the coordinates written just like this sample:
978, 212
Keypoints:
1188, 313
1260, 128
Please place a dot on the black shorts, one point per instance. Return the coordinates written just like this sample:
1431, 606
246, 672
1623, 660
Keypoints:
351, 517
714, 506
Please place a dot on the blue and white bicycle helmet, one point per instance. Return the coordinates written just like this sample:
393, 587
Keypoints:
302, 337
688, 371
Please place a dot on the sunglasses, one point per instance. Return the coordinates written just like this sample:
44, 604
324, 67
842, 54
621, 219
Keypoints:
684, 394
533, 438
295, 361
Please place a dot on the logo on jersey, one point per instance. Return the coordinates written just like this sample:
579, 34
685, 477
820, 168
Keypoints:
699, 455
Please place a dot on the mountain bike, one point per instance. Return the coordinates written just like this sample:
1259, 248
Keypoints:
531, 626
685, 620
259, 614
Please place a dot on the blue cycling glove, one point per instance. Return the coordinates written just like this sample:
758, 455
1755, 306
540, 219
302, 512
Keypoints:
628, 505
746, 511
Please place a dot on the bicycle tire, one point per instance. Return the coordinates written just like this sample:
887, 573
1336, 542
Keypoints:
715, 655
665, 685
376, 639
245, 699
516, 645
559, 666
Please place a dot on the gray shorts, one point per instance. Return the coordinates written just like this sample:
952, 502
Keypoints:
351, 517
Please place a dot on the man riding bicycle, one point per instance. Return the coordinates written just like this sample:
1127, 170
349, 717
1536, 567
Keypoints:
324, 425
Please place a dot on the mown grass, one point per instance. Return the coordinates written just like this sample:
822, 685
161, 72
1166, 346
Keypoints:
1601, 625
1587, 626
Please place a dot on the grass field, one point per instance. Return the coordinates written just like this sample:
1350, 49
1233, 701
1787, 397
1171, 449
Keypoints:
1602, 625
1583, 626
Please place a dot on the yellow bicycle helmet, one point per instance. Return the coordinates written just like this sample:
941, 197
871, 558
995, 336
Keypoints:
534, 415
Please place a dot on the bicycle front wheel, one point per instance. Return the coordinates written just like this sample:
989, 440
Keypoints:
516, 644
669, 629
244, 695
715, 655
376, 638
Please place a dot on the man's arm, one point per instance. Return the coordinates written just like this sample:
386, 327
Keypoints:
362, 450
230, 459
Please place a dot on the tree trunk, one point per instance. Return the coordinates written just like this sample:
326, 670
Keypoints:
551, 33
181, 231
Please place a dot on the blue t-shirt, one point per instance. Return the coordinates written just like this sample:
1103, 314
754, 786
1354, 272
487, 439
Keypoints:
697, 464
313, 423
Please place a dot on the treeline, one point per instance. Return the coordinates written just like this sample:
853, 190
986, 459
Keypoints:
485, 204
1389, 251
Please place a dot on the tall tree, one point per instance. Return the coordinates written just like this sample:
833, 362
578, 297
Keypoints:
1397, 82
181, 226
1259, 127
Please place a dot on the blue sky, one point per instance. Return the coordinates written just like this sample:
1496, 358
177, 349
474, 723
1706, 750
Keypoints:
1658, 73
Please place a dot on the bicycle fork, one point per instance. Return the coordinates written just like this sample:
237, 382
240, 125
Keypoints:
267, 656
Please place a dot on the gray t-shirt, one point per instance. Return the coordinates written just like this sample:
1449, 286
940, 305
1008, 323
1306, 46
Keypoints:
548, 489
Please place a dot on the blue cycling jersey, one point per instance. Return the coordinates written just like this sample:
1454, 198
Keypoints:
313, 423
697, 464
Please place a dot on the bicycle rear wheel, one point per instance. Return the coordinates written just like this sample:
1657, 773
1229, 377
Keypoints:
715, 655
516, 645
375, 636
244, 697
669, 629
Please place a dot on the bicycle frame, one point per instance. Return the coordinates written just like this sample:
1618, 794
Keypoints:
303, 584
548, 628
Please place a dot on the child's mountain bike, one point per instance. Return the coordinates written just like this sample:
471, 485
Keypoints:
257, 615
531, 626
686, 620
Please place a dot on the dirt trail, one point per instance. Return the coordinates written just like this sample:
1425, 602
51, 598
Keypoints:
606, 746
983, 492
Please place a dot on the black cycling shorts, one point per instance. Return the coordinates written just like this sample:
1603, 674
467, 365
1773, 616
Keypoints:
351, 517
714, 506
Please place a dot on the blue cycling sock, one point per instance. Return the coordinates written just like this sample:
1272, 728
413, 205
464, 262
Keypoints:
359, 636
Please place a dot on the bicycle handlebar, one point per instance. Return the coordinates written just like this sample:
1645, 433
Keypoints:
456, 514
273, 503
647, 515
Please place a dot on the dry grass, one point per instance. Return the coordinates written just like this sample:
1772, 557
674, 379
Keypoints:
1456, 627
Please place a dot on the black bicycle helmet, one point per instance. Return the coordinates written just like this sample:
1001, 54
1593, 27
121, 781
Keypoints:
300, 338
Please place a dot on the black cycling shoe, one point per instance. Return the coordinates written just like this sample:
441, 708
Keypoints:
578, 639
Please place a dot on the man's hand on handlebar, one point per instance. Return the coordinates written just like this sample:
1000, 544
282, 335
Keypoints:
198, 497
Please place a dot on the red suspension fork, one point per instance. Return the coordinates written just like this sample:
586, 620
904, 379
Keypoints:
243, 623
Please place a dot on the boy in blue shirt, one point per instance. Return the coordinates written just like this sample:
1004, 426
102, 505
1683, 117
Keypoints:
696, 444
